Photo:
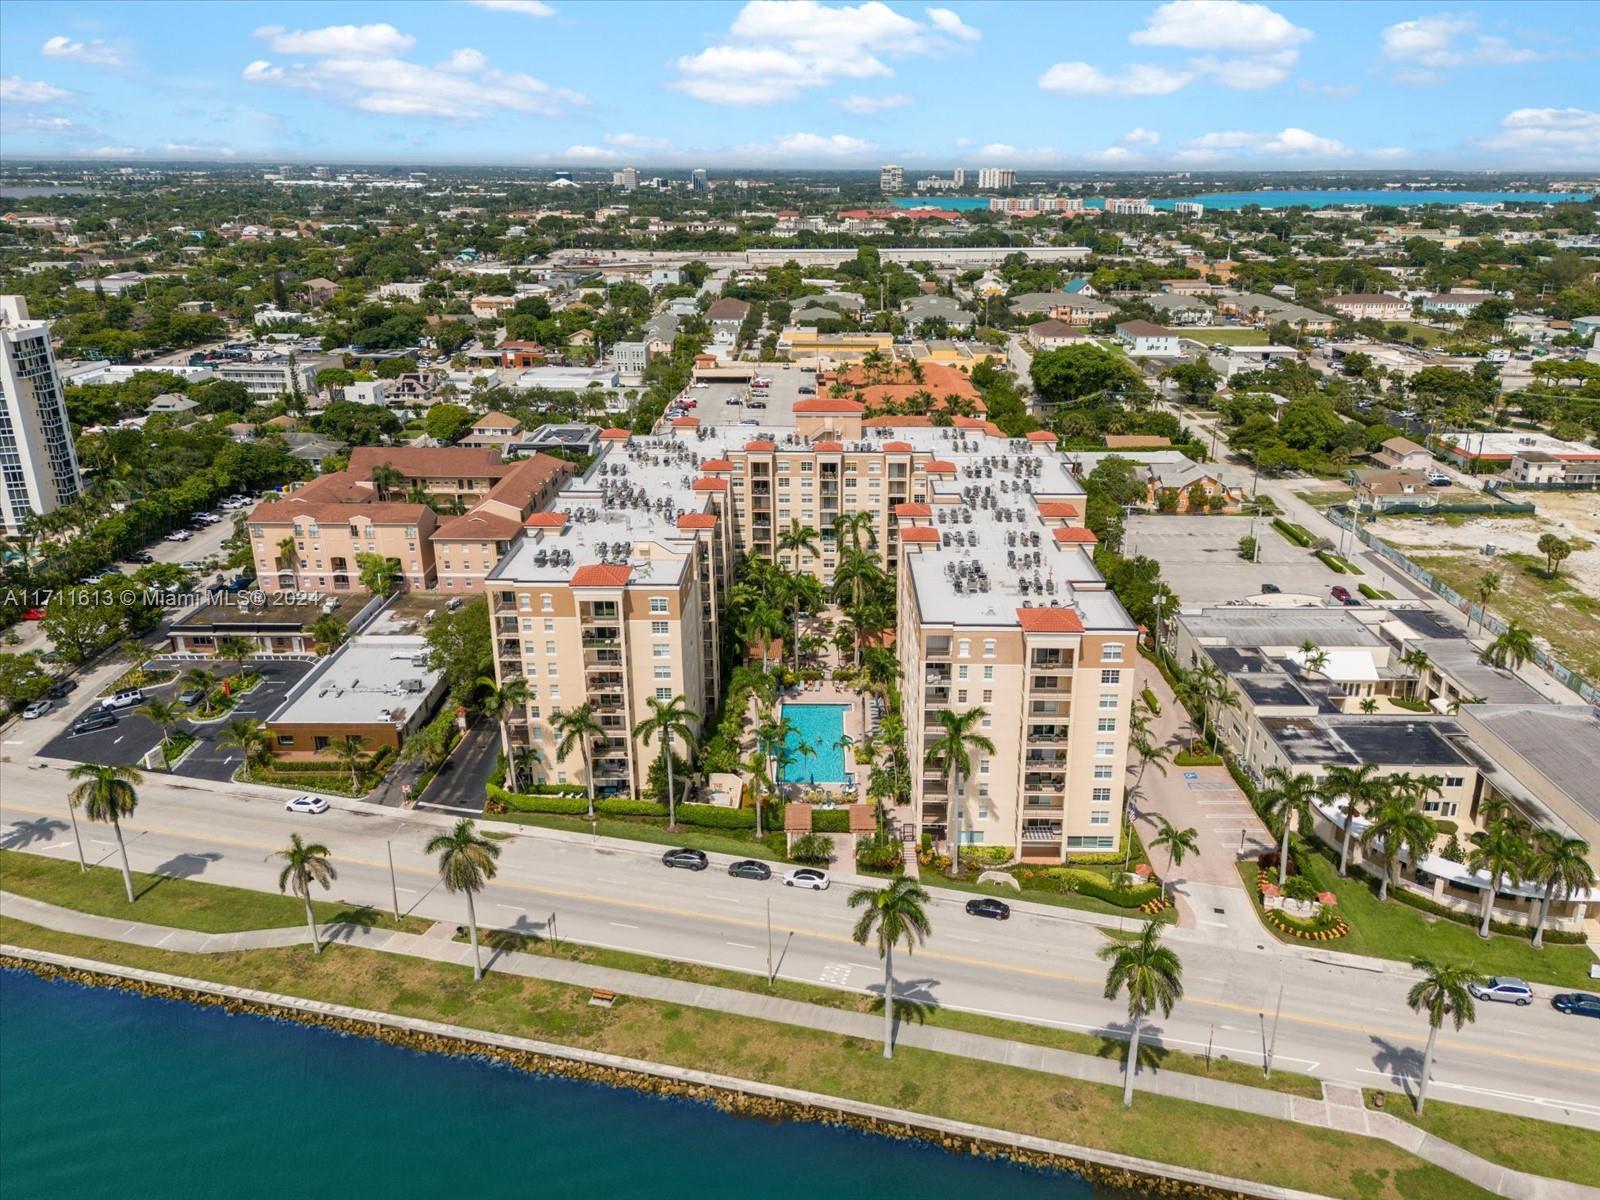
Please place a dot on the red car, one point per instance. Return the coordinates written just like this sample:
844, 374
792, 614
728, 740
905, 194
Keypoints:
33, 614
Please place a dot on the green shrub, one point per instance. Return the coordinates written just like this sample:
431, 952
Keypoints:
622, 806
1331, 562
1151, 702
986, 856
1193, 758
811, 848
878, 853
710, 816
830, 820
1295, 533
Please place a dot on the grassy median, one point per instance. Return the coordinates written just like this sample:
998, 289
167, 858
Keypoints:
1521, 1143
1031, 1102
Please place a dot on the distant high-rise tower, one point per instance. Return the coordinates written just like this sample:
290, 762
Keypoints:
891, 178
38, 468
996, 179
959, 177
698, 181
630, 179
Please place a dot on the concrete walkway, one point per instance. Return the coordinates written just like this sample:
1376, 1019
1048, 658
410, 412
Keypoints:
1340, 1109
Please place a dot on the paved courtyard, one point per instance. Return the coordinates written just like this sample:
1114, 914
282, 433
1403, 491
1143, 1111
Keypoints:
1199, 557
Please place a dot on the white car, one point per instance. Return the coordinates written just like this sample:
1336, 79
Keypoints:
807, 877
36, 710
179, 535
306, 804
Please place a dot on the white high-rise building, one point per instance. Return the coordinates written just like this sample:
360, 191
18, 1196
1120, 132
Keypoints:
38, 468
891, 178
958, 177
996, 179
630, 179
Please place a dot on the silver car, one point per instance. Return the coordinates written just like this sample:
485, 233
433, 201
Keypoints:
1504, 989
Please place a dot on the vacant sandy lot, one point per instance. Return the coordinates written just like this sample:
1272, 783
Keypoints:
1574, 516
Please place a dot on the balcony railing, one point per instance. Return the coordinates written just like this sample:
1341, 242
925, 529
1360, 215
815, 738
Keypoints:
1035, 832
937, 695
1051, 685
593, 659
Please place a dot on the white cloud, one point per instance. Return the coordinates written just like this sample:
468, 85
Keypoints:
198, 149
1219, 25
113, 152
589, 154
1005, 154
866, 106
1082, 79
963, 143
358, 65
636, 141
1248, 74
821, 146
1426, 47
1568, 135
777, 49
1286, 143
16, 90
1111, 155
1141, 137
528, 8
99, 53
949, 22
359, 41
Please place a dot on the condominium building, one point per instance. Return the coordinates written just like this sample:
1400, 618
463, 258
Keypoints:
38, 466
996, 179
271, 377
891, 178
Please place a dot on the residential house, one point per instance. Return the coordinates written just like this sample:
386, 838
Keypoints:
1402, 454
1144, 339
491, 308
521, 354
1053, 335
318, 290
1378, 491
1180, 308
725, 317
1456, 304
1535, 467
496, 429
172, 404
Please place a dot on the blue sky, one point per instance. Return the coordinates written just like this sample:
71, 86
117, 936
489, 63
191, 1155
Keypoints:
1198, 83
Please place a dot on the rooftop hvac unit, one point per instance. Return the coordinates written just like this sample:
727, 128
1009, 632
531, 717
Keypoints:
411, 685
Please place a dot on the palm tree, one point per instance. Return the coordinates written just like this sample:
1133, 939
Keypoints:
855, 530
1514, 646
762, 622
1558, 863
669, 720
305, 864
1288, 796
466, 864
165, 714
1369, 705
1149, 754
1361, 790
199, 679
502, 701
795, 539
1501, 852
386, 480
107, 794
1153, 978
952, 753
288, 557
577, 729
1400, 826
803, 594
251, 737
350, 752
237, 650
1178, 842
896, 915
327, 633
1488, 585
1417, 662
1442, 993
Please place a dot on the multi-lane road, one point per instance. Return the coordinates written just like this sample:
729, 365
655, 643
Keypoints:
1338, 1021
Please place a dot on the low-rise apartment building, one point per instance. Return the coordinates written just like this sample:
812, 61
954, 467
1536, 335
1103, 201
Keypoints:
496, 430
270, 377
1145, 339
1378, 305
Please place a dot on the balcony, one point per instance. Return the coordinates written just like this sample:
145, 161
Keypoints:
511, 648
1052, 781
935, 787
1051, 685
939, 696
937, 673
1049, 708
1044, 805
605, 638
601, 659
938, 647
604, 610
1035, 833
505, 624
1046, 734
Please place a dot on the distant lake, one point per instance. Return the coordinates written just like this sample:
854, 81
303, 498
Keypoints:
1381, 198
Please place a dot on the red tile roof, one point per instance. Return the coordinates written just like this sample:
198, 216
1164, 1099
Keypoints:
686, 422
429, 462
717, 466
615, 435
897, 448
1057, 508
760, 444
1042, 436
913, 509
920, 533
710, 483
829, 447
939, 466
601, 575
828, 404
1075, 535
1049, 620
477, 527
697, 521
546, 520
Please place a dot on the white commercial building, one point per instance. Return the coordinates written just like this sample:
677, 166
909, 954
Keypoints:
891, 178
270, 377
996, 178
38, 468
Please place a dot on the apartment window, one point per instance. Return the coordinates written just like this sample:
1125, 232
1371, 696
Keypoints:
523, 601
1105, 749
988, 674
961, 695
1108, 699
1454, 781
660, 650
658, 604
983, 766
1106, 725
961, 673
1089, 843
1111, 652
552, 670
988, 695
533, 692
658, 627
664, 693
964, 648
555, 692
988, 647
547, 602
1100, 818
1100, 796
983, 812
1109, 678
663, 672
549, 625
1102, 771
972, 837
550, 649
533, 711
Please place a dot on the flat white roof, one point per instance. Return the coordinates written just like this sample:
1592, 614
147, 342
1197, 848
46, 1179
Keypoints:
373, 679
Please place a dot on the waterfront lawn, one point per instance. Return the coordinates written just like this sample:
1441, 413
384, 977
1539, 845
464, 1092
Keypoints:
1391, 930
1228, 335
168, 900
1158, 1128
933, 878
711, 841
1521, 1143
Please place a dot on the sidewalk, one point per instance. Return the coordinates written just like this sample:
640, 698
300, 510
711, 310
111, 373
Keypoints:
1341, 1108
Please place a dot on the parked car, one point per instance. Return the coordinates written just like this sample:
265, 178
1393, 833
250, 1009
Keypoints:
62, 688
807, 877
306, 804
94, 721
1504, 989
179, 535
1576, 1004
142, 557
1438, 479
750, 868
192, 696
33, 614
988, 906
688, 860
808, 391
126, 698
1340, 593
36, 710
1270, 589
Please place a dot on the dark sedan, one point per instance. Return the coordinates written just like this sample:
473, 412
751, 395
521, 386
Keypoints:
1576, 1004
749, 868
689, 860
995, 910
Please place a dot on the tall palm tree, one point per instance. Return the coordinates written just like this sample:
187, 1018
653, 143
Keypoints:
1443, 993
952, 753
577, 728
387, 480
251, 737
803, 594
199, 679
1177, 843
303, 865
669, 720
165, 715
896, 914
796, 539
107, 793
237, 650
1361, 790
1488, 585
855, 530
1558, 864
1514, 646
466, 864
1417, 662
1153, 978
1288, 796
349, 753
288, 557
1501, 852
762, 622
1399, 825
501, 702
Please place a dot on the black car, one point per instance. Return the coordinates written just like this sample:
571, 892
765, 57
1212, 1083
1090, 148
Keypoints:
987, 906
61, 689
143, 558
93, 722
749, 868
689, 860
1576, 1004
1270, 589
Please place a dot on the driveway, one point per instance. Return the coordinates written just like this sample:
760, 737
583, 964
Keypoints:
459, 785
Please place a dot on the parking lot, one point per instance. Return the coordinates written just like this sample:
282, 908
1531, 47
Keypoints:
133, 736
1199, 558
715, 404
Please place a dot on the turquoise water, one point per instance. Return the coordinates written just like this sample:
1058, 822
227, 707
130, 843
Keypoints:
948, 203
817, 726
111, 1096
1290, 199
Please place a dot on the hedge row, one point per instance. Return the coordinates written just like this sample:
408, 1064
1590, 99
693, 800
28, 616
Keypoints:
1425, 904
706, 816
322, 766
830, 820
1331, 562
1372, 593
1297, 534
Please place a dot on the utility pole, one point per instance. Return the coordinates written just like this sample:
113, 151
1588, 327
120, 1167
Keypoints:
1272, 1045
769, 943
394, 890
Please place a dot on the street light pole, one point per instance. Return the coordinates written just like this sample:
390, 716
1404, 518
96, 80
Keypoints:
769, 942
394, 890
1272, 1045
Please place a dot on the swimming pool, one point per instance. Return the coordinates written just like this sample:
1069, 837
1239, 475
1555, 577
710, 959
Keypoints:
818, 726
